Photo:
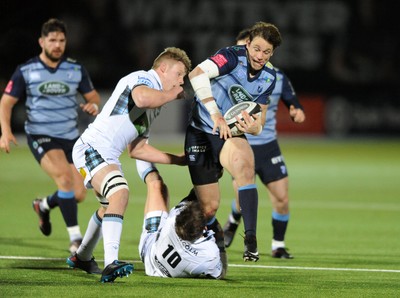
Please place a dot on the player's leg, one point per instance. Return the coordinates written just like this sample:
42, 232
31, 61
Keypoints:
237, 157
110, 183
232, 224
56, 165
83, 258
278, 193
272, 171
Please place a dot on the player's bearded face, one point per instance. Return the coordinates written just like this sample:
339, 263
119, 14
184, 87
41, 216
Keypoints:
259, 52
54, 46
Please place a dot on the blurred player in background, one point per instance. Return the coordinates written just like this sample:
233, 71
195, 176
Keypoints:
175, 243
232, 75
123, 123
49, 84
269, 163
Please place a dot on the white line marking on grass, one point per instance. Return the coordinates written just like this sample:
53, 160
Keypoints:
315, 268
230, 265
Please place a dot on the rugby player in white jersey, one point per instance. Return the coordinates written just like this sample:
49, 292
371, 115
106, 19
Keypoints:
124, 122
175, 243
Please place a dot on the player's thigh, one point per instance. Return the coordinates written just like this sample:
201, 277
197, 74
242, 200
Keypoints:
209, 196
279, 193
237, 158
56, 165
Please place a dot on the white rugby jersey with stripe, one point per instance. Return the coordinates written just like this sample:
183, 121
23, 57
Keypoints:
171, 256
120, 121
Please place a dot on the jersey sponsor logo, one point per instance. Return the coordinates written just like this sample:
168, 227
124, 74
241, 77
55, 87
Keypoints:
219, 59
53, 88
238, 94
161, 267
144, 81
277, 159
9, 87
196, 149
189, 248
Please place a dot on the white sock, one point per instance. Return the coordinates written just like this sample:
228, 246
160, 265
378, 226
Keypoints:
276, 244
44, 206
90, 240
112, 229
233, 220
74, 233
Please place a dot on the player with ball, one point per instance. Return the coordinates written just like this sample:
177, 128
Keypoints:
233, 75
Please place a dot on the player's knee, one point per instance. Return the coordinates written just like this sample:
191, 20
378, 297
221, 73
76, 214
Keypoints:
210, 209
80, 194
112, 183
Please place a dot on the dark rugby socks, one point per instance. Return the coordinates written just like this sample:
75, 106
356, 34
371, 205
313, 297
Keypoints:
248, 199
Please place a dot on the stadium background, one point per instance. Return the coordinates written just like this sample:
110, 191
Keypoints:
342, 56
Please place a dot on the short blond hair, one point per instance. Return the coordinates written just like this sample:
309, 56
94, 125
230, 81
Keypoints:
174, 54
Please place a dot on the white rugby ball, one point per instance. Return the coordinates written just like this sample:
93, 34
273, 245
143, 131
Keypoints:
230, 115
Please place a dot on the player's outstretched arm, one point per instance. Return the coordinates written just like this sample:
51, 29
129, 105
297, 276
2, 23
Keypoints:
6, 105
139, 149
149, 98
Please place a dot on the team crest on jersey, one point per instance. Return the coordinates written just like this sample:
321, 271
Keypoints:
238, 94
145, 81
53, 88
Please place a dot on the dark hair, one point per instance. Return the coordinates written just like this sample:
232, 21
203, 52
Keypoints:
190, 222
244, 34
53, 25
267, 31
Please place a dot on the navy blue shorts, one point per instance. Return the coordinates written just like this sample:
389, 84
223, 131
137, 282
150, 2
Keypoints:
202, 154
40, 144
270, 164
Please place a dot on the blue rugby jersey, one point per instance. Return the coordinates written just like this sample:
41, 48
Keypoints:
285, 91
50, 94
233, 85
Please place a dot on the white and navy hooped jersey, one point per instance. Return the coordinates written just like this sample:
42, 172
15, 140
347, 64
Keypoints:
171, 256
285, 91
51, 103
121, 121
233, 85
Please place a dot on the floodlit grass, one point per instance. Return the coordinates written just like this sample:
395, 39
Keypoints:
344, 229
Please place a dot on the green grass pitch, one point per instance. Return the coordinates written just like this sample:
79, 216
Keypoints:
344, 229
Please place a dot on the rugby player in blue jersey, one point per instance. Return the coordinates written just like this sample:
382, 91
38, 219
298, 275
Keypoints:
49, 84
232, 75
269, 163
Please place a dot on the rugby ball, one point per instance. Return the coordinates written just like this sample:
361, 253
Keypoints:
230, 115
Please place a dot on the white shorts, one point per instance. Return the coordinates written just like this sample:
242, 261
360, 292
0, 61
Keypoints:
89, 159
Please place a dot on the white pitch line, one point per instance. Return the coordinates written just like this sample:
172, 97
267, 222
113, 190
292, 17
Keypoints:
230, 265
315, 268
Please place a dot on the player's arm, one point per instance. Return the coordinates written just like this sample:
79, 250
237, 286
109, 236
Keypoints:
200, 80
7, 103
92, 104
149, 98
291, 101
92, 98
139, 149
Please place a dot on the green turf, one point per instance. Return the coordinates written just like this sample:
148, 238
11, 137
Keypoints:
345, 210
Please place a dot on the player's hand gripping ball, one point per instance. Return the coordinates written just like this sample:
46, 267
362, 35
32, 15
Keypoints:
230, 115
